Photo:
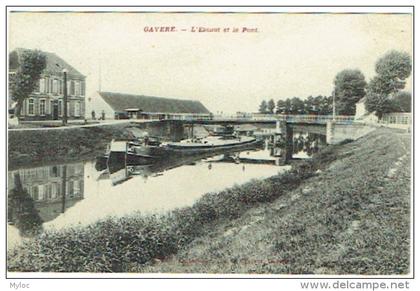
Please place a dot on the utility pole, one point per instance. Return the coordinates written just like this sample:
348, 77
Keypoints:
65, 97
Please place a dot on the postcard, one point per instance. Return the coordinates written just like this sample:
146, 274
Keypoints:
210, 142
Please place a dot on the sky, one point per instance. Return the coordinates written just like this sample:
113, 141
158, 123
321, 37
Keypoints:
289, 54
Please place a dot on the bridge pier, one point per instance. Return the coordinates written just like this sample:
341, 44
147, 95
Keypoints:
189, 130
176, 130
287, 132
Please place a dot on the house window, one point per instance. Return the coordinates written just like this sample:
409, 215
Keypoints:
48, 190
72, 88
55, 86
51, 85
54, 171
42, 107
54, 190
70, 188
68, 108
42, 85
82, 88
60, 87
60, 108
76, 187
35, 193
41, 192
77, 88
77, 109
47, 85
30, 106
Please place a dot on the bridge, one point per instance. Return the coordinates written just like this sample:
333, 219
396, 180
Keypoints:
270, 118
336, 128
285, 123
259, 118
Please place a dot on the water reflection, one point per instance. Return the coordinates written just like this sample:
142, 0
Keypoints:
309, 143
119, 172
38, 195
22, 212
59, 196
78, 194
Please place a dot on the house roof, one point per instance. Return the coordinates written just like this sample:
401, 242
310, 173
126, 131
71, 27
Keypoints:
54, 66
119, 102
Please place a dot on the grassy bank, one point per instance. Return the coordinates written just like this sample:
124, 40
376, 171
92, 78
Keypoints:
351, 218
43, 146
344, 211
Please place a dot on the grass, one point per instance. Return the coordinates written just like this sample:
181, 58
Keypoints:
342, 212
353, 217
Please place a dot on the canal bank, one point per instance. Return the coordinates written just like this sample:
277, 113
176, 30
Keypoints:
31, 147
331, 209
352, 217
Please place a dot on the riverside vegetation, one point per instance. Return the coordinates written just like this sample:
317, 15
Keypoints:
347, 210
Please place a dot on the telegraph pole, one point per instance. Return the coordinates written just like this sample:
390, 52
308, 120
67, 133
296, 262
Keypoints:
65, 97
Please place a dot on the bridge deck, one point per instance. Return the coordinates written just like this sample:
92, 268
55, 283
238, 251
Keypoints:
270, 118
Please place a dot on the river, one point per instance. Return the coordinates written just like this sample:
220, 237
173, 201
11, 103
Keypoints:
80, 193
59, 196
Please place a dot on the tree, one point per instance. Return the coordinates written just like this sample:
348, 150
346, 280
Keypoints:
393, 68
309, 106
271, 105
23, 82
349, 88
263, 107
402, 101
326, 105
297, 106
281, 107
378, 103
288, 106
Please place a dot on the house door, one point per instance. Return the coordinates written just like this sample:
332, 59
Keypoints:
55, 111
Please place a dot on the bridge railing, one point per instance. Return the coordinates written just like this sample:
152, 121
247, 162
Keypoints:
286, 117
317, 118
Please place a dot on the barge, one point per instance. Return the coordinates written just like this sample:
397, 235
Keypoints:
138, 153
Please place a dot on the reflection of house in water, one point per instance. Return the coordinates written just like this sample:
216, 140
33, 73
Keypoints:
53, 189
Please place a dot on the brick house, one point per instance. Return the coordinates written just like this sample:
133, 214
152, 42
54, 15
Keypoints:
46, 101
